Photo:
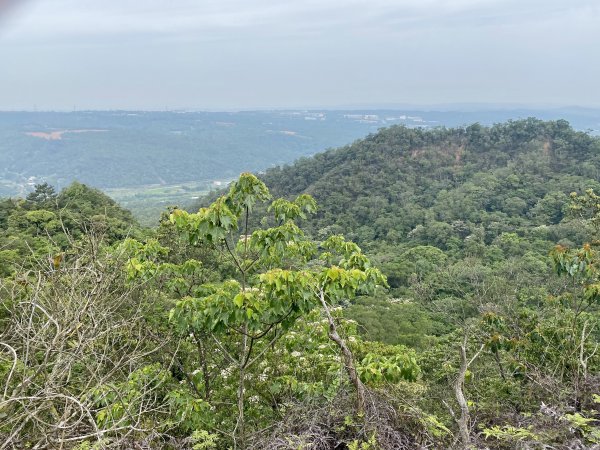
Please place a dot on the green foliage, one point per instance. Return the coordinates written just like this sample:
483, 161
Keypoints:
376, 369
396, 321
435, 426
586, 425
370, 444
510, 434
118, 404
216, 330
438, 187
189, 413
279, 277
46, 224
203, 440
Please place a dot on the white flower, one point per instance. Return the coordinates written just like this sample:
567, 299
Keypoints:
296, 354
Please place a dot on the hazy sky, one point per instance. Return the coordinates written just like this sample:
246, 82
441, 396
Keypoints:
227, 54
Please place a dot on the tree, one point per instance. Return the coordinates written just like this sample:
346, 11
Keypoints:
280, 276
42, 195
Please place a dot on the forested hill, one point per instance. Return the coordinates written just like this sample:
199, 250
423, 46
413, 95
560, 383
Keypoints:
439, 186
47, 223
229, 327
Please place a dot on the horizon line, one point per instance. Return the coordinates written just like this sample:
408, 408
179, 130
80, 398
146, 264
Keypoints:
439, 107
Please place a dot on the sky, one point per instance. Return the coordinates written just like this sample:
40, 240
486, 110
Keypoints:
245, 54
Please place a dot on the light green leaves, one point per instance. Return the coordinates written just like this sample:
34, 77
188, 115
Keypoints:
376, 368
281, 245
285, 210
510, 434
190, 413
210, 224
245, 193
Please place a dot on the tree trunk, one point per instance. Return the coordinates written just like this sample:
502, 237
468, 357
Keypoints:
240, 426
240, 422
348, 358
463, 421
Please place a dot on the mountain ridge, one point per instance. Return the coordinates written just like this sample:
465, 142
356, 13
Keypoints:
398, 169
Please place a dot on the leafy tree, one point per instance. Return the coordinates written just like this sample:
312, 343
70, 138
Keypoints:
42, 194
280, 277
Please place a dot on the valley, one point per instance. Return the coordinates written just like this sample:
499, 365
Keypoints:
149, 159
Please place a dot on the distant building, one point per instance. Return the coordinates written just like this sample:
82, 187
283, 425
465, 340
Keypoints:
369, 117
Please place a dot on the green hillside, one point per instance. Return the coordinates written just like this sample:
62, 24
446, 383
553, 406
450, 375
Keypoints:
149, 160
460, 310
47, 223
438, 186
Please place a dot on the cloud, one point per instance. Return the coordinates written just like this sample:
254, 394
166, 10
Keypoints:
246, 53
210, 19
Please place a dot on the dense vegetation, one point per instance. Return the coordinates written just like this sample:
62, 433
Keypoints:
252, 323
149, 160
47, 223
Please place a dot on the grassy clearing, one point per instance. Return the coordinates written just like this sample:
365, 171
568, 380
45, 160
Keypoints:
148, 202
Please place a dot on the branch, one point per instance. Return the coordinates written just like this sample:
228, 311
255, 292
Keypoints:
233, 256
264, 350
348, 356
225, 352
12, 369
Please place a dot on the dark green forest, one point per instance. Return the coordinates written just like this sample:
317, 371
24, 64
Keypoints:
417, 289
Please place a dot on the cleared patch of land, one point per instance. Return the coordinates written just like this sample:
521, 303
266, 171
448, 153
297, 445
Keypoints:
57, 135
148, 202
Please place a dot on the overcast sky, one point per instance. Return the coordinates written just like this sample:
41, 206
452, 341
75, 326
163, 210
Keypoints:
229, 54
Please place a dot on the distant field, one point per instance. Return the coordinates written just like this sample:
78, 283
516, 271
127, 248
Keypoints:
116, 149
148, 202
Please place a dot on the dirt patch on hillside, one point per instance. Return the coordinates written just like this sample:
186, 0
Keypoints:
58, 135
547, 146
52, 136
459, 153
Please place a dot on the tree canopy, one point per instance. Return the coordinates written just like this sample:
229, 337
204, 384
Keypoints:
417, 289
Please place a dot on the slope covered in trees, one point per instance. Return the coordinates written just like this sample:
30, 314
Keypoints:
104, 148
491, 201
46, 223
252, 323
148, 160
439, 186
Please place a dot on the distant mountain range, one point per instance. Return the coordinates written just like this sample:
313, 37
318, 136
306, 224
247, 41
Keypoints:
139, 151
